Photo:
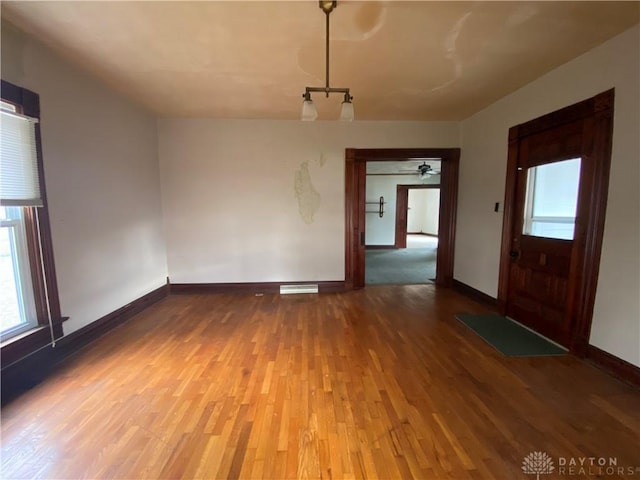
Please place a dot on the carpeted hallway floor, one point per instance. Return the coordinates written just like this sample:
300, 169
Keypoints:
405, 266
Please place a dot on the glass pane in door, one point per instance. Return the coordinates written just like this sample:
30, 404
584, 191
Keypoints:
552, 199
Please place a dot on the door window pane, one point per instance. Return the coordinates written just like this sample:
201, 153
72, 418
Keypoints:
552, 199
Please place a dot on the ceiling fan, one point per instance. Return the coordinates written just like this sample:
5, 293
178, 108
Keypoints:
411, 167
425, 171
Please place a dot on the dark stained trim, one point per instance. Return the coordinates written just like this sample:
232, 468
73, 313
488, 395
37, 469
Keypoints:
568, 114
597, 114
23, 345
469, 291
621, 369
95, 330
395, 154
402, 214
355, 182
28, 371
381, 247
40, 246
448, 215
250, 288
507, 215
599, 132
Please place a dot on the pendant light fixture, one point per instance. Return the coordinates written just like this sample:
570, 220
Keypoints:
309, 111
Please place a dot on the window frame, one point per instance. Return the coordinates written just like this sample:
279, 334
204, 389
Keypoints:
40, 248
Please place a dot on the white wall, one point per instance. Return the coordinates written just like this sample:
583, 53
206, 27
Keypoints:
102, 179
424, 211
381, 230
431, 212
616, 63
229, 203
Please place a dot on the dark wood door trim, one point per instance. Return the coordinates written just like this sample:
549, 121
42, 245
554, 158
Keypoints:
597, 113
402, 212
355, 182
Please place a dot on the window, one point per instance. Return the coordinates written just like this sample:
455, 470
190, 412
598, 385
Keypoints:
29, 305
552, 199
17, 301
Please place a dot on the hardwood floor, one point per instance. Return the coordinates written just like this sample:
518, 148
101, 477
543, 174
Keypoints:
377, 383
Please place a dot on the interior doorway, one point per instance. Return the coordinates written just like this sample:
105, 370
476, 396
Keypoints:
555, 201
417, 212
402, 249
356, 203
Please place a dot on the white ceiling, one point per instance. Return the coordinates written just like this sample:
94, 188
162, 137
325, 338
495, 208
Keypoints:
237, 59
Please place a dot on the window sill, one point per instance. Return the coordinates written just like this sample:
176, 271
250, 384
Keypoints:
26, 343
21, 336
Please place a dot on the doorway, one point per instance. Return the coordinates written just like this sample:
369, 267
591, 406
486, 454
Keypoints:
401, 245
417, 213
355, 207
555, 201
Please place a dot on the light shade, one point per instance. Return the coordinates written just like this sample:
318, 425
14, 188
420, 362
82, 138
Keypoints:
309, 111
346, 112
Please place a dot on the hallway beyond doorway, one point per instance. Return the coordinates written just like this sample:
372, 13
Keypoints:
413, 265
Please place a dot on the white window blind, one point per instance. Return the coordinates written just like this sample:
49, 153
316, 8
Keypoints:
19, 181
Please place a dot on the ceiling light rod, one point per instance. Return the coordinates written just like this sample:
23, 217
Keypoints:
309, 111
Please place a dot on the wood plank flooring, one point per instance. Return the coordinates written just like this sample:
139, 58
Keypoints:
378, 383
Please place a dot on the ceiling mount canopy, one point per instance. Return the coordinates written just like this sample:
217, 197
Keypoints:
309, 111
328, 6
424, 168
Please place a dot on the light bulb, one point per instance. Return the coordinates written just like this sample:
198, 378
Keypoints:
346, 112
309, 111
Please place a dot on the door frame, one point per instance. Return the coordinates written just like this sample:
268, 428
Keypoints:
355, 185
402, 213
597, 113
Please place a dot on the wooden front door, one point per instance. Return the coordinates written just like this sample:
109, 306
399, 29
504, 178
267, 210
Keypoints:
559, 167
547, 191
